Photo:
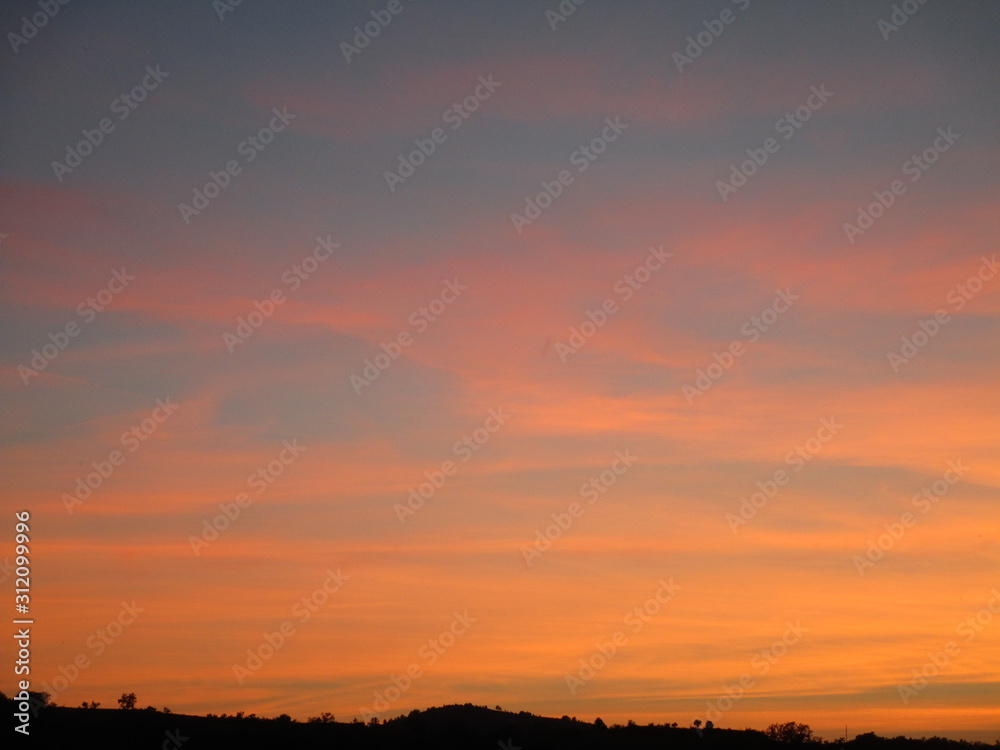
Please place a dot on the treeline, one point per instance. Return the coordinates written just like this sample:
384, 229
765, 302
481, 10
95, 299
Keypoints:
462, 727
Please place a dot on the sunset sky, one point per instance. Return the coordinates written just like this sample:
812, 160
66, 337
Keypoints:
484, 330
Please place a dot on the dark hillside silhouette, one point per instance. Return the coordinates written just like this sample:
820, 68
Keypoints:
456, 727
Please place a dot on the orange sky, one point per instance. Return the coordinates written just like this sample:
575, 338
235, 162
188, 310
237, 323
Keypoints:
531, 555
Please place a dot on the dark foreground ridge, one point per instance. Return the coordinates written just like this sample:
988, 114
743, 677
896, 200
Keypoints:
466, 727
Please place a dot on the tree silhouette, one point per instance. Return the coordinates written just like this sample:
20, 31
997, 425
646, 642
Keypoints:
324, 718
697, 723
127, 701
790, 732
